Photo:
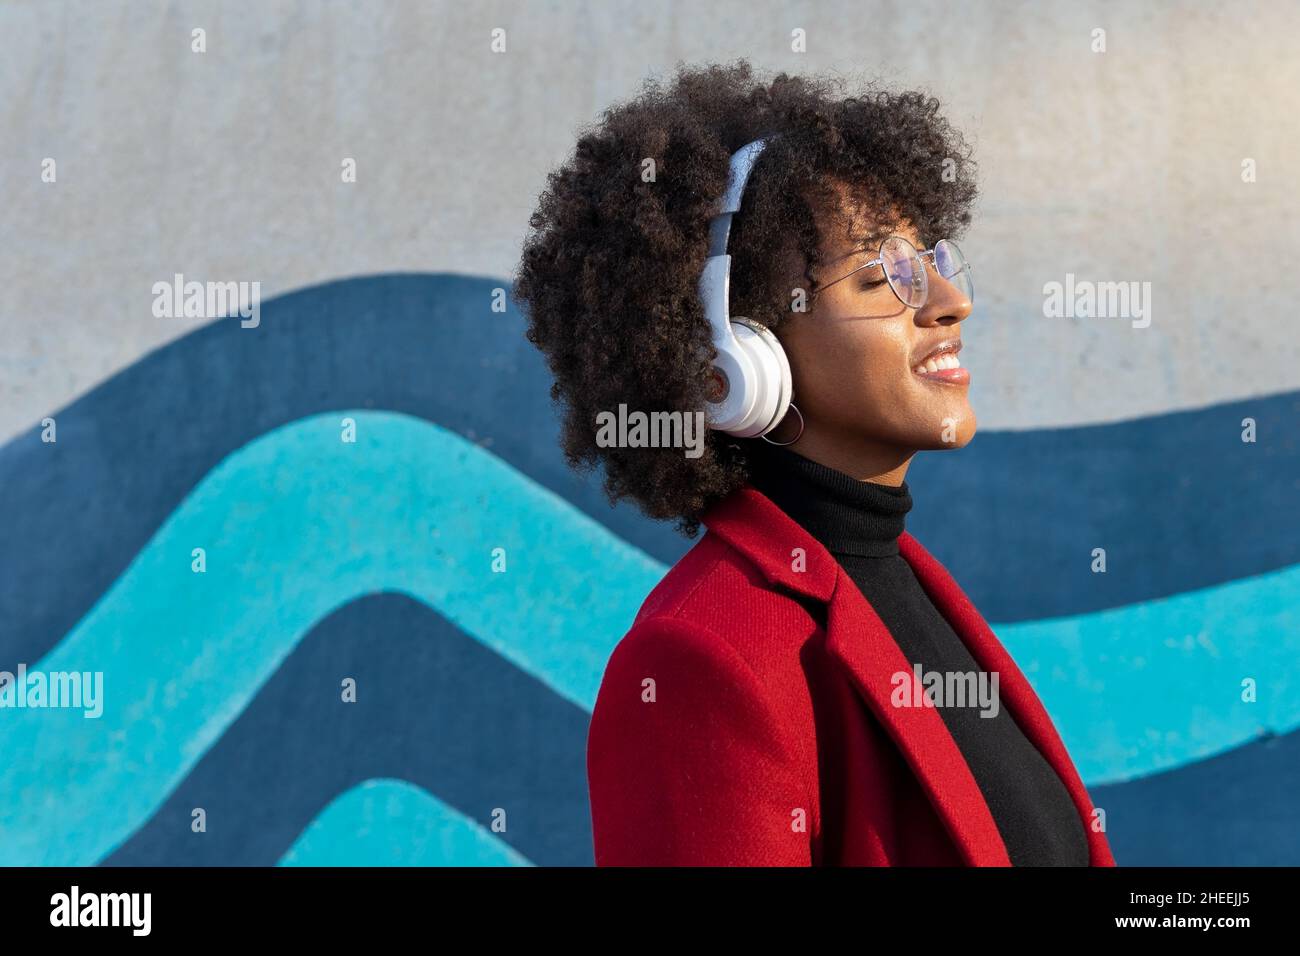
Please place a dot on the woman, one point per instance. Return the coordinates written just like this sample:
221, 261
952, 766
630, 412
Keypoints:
807, 686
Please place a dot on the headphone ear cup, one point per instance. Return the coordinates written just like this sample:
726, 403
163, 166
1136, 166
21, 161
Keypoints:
764, 384
734, 368
784, 380
775, 386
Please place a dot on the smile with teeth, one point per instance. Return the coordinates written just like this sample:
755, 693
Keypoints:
937, 362
943, 368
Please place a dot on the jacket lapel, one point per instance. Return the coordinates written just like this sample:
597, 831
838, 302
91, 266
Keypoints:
1014, 688
859, 641
863, 646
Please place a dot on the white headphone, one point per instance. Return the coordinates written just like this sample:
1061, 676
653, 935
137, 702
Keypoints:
753, 383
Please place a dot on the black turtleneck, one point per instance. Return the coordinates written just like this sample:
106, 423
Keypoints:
859, 522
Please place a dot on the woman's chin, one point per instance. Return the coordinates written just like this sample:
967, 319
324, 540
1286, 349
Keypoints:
954, 430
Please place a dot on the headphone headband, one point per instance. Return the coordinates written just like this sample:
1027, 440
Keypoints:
742, 164
751, 372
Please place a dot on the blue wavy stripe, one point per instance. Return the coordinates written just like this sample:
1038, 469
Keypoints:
295, 745
183, 654
434, 707
1178, 501
1141, 689
422, 511
391, 823
76, 512
1236, 809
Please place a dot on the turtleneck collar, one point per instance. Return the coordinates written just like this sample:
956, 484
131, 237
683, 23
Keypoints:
846, 515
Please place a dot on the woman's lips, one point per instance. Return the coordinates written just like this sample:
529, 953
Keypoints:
948, 376
944, 368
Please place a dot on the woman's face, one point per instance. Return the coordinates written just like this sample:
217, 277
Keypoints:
858, 359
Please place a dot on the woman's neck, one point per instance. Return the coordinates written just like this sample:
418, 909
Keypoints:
865, 461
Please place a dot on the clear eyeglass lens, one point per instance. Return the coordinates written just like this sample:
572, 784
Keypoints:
952, 265
904, 270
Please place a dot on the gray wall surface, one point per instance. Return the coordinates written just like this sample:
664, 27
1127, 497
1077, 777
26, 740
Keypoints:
1122, 165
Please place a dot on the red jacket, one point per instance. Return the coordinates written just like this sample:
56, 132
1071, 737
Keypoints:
745, 719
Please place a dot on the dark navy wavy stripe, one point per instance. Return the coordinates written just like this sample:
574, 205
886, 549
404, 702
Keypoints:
1236, 809
1178, 501
77, 512
434, 707
438, 709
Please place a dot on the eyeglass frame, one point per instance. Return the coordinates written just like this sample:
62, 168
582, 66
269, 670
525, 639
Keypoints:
920, 254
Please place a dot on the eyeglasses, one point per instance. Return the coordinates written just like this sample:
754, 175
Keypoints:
904, 269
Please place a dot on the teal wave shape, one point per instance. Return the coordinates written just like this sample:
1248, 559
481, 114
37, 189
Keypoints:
294, 525
297, 523
386, 822
1153, 686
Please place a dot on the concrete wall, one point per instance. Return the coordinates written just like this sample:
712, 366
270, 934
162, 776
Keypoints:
1116, 166
371, 560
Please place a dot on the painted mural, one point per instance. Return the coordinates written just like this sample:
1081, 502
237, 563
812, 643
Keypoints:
244, 521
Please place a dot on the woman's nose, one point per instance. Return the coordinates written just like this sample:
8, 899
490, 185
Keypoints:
944, 300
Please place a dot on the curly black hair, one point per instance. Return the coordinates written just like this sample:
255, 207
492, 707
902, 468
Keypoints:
610, 268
